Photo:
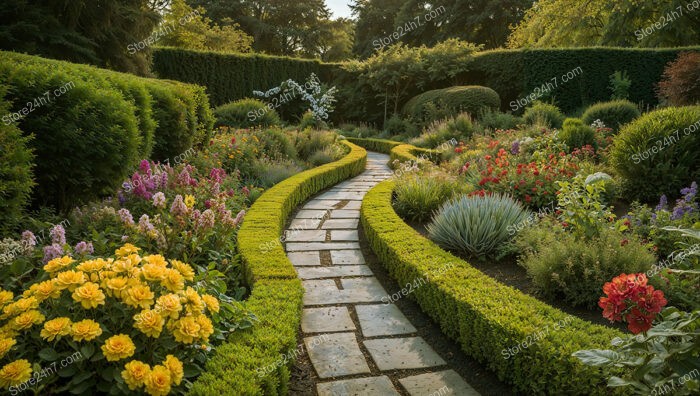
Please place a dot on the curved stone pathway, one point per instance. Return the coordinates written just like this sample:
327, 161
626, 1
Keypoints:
358, 344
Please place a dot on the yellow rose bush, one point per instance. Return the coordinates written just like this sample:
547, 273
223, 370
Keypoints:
139, 322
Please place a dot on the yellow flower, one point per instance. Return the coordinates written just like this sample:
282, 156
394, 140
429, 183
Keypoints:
173, 280
135, 374
158, 381
15, 373
174, 365
92, 265
193, 301
153, 272
126, 250
206, 328
186, 271
44, 290
5, 345
156, 259
70, 280
58, 264
86, 330
58, 327
19, 306
211, 302
116, 286
186, 330
139, 296
118, 347
169, 305
26, 320
89, 295
5, 297
126, 264
6, 331
149, 322
189, 201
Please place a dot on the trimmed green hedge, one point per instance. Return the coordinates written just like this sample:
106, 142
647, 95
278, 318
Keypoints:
91, 125
484, 316
276, 297
230, 77
397, 151
472, 99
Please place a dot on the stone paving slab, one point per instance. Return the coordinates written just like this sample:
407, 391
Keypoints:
382, 320
347, 257
344, 235
379, 386
350, 196
309, 246
311, 214
333, 272
402, 353
305, 224
321, 204
305, 235
345, 214
336, 354
434, 383
327, 319
340, 224
355, 290
355, 205
304, 258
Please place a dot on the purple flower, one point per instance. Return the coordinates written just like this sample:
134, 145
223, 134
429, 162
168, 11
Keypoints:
184, 178
178, 208
28, 239
145, 225
84, 248
206, 220
145, 166
690, 192
217, 175
159, 200
246, 191
58, 234
515, 147
51, 252
126, 216
663, 202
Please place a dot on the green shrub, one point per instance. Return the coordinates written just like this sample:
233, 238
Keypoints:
460, 127
620, 84
246, 113
613, 114
476, 225
470, 99
311, 141
172, 117
562, 265
575, 134
399, 126
543, 114
308, 120
659, 153
496, 120
419, 196
276, 144
15, 172
270, 173
327, 154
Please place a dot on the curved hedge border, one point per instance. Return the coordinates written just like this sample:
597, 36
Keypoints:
276, 297
402, 152
485, 316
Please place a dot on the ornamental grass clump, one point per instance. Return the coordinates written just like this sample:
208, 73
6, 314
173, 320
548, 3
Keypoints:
129, 322
476, 225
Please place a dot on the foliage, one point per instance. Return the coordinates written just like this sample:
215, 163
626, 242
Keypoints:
420, 195
576, 135
476, 225
580, 207
620, 84
680, 273
320, 101
246, 113
443, 131
496, 120
336, 40
658, 152
657, 360
189, 28
399, 126
544, 114
680, 84
562, 264
484, 316
268, 172
613, 114
453, 100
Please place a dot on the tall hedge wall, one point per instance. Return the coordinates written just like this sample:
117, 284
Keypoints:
230, 77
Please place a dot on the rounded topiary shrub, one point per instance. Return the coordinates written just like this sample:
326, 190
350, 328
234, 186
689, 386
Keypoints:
613, 114
575, 134
246, 113
451, 101
544, 113
659, 153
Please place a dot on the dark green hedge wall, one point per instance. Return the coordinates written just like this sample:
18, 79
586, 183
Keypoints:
229, 77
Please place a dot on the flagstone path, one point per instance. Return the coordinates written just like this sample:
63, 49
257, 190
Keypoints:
357, 342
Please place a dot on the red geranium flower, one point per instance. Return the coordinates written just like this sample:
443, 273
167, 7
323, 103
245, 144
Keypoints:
629, 297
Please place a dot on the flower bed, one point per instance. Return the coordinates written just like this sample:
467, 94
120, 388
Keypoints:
276, 299
526, 342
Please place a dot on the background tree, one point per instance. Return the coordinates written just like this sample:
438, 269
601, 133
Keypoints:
375, 19
199, 33
96, 32
337, 40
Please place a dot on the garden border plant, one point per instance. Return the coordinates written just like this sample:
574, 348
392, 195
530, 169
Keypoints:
485, 316
397, 151
276, 297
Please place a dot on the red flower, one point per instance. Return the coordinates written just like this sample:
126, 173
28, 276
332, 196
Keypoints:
459, 150
488, 158
637, 322
629, 297
528, 198
624, 242
565, 224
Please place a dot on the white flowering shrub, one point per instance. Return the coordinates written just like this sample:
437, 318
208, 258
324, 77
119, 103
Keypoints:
320, 102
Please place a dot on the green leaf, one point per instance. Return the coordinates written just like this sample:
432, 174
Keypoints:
48, 354
596, 357
87, 350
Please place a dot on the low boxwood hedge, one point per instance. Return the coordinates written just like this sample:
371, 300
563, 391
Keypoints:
276, 297
489, 320
397, 151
